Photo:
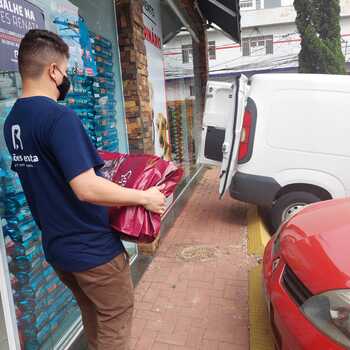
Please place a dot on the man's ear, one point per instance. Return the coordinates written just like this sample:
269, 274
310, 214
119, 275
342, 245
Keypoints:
53, 71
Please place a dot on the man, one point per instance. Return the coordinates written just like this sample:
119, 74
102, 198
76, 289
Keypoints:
59, 171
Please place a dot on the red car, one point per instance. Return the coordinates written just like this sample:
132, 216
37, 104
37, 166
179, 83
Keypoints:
306, 271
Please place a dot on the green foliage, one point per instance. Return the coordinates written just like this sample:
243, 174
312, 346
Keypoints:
318, 22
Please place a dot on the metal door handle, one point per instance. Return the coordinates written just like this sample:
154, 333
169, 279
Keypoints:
222, 173
225, 147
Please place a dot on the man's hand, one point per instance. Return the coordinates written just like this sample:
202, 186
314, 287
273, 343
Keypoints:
155, 200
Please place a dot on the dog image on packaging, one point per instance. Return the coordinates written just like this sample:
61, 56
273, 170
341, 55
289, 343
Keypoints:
160, 129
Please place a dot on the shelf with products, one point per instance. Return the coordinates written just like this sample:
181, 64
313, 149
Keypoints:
180, 115
104, 93
92, 96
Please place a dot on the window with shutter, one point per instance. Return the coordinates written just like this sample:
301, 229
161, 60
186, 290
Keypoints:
269, 46
246, 47
186, 53
257, 46
212, 50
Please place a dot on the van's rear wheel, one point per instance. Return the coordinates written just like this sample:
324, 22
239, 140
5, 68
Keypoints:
288, 205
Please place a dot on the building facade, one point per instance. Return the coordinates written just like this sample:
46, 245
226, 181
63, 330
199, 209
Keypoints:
270, 42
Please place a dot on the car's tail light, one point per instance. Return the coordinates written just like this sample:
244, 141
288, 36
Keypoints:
246, 135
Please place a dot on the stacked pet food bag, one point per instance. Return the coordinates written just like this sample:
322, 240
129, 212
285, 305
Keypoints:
180, 116
92, 95
81, 69
176, 134
41, 301
81, 100
104, 95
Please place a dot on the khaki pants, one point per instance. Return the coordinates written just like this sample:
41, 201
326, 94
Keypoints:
105, 297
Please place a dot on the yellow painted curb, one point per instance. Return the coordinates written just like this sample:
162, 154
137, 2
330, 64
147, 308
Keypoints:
258, 235
260, 332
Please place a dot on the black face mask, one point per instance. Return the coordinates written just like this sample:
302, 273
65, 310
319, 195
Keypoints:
64, 87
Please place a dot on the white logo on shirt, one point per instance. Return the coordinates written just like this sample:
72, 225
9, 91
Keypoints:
16, 137
21, 160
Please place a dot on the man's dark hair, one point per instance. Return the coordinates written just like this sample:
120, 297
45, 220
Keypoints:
38, 49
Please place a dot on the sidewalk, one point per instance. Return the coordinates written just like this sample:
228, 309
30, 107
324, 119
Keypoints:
195, 293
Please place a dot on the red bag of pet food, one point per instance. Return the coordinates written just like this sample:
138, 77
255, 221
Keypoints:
139, 172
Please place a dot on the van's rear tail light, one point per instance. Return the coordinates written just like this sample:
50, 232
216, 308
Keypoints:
246, 135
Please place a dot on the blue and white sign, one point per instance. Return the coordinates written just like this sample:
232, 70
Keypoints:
17, 17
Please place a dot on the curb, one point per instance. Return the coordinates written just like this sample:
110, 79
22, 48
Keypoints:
260, 334
258, 235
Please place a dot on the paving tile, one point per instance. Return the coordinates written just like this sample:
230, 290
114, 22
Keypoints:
162, 326
195, 337
132, 343
219, 284
146, 341
234, 335
173, 339
209, 345
151, 296
183, 324
138, 326
161, 286
160, 346
199, 284
148, 315
140, 305
228, 346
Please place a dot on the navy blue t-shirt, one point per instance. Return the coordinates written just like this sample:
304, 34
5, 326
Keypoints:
49, 147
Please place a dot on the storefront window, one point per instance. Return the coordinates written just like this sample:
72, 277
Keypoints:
171, 84
180, 94
46, 313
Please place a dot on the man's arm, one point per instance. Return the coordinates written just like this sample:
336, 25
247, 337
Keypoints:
77, 158
89, 187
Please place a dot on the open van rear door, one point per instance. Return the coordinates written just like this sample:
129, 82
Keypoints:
233, 132
219, 109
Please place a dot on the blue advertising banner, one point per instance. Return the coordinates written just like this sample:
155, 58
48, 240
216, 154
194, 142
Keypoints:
66, 20
17, 17
88, 56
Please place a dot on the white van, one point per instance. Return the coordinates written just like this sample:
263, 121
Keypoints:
282, 140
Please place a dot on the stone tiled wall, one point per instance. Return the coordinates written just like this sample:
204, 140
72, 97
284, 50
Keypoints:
135, 75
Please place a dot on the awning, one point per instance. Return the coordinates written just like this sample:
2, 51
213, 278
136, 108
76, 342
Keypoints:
174, 18
223, 13
171, 24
